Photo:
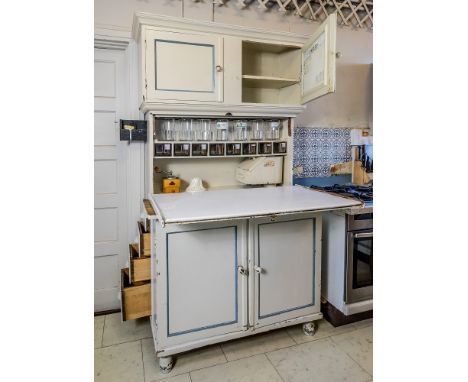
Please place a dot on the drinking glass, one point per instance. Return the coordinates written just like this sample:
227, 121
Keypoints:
184, 129
196, 127
240, 130
204, 132
222, 129
273, 130
167, 130
160, 133
258, 130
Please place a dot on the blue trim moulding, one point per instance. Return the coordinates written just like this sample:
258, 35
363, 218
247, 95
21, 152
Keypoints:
313, 271
236, 299
185, 90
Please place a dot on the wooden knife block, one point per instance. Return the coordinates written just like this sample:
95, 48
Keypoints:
358, 173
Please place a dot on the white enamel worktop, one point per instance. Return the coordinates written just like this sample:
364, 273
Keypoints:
240, 203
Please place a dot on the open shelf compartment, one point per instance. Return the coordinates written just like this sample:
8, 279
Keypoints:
270, 73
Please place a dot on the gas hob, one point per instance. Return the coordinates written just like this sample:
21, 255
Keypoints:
362, 193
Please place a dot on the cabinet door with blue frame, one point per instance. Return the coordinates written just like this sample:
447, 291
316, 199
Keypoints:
200, 292
285, 268
183, 67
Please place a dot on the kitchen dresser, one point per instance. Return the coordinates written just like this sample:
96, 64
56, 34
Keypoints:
232, 261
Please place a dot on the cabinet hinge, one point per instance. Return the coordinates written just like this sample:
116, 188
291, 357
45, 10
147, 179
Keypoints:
146, 84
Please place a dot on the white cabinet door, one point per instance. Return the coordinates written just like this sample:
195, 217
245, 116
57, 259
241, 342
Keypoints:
200, 292
185, 67
285, 267
319, 61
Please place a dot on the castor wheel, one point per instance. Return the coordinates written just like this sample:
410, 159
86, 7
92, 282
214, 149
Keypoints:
309, 328
166, 364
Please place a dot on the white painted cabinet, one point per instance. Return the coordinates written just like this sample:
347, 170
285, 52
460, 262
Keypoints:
217, 281
232, 68
279, 73
184, 67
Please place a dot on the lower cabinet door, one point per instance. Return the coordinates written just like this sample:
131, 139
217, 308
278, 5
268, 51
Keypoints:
285, 265
200, 292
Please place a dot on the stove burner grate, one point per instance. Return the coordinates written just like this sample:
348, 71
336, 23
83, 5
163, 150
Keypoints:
362, 193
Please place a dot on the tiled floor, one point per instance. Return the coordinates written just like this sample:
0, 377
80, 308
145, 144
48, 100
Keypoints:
125, 352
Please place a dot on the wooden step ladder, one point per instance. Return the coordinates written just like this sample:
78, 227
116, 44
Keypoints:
135, 284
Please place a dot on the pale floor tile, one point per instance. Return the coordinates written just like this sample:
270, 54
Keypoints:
98, 330
358, 345
179, 378
324, 329
256, 344
116, 331
119, 363
317, 361
363, 323
185, 362
253, 369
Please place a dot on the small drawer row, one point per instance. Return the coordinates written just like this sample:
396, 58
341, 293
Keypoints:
219, 149
136, 279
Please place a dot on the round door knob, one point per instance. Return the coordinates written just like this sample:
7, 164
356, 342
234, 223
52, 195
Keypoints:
219, 68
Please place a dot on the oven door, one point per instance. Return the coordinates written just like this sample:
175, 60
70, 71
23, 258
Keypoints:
359, 264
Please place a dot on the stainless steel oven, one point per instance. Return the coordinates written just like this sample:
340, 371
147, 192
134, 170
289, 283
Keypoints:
359, 258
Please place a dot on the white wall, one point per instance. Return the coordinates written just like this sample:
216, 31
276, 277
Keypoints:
350, 106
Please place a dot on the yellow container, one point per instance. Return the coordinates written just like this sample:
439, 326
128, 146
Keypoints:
170, 185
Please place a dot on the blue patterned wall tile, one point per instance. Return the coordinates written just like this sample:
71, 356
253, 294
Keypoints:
316, 149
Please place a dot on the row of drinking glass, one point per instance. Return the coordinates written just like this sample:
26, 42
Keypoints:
186, 129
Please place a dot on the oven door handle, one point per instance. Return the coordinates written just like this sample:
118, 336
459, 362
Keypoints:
363, 235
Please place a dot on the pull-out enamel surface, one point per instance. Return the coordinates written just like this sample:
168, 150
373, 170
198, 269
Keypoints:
238, 203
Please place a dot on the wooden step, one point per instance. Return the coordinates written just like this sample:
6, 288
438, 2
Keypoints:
140, 266
145, 240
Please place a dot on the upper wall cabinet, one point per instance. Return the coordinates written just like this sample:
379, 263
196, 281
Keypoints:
184, 67
290, 74
209, 67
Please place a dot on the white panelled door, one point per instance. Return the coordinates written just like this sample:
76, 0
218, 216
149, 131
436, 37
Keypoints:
110, 241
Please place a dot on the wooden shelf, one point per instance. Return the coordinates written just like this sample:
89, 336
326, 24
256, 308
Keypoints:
250, 81
269, 48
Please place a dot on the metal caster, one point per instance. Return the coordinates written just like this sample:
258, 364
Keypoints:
166, 364
309, 328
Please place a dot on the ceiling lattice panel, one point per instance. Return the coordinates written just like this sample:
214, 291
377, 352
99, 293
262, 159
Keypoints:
352, 13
